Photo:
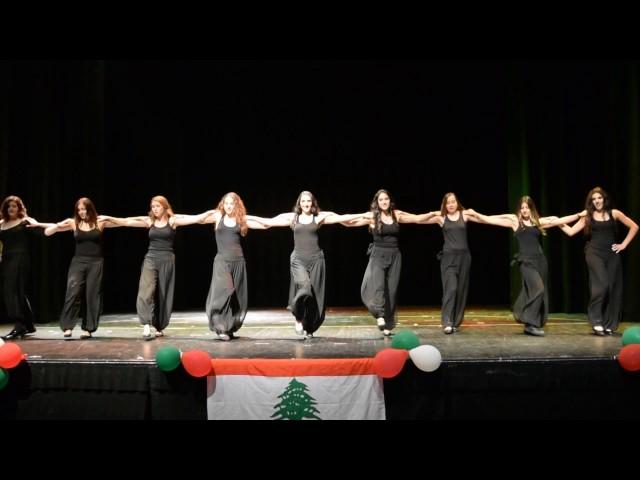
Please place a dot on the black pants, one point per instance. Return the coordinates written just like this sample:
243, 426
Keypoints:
379, 288
15, 274
227, 300
532, 305
155, 292
605, 285
84, 280
307, 290
454, 272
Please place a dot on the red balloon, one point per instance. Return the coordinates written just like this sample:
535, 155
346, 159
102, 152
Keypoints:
10, 355
389, 362
197, 363
629, 357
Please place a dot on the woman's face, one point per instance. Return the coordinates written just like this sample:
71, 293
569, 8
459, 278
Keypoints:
82, 211
229, 205
157, 209
305, 203
452, 204
598, 201
525, 212
12, 210
383, 202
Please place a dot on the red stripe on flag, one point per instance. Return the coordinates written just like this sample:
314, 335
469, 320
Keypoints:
319, 367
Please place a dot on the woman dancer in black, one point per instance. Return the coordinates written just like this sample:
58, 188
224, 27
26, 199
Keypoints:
381, 278
601, 253
84, 280
307, 266
455, 261
157, 278
532, 305
15, 264
227, 299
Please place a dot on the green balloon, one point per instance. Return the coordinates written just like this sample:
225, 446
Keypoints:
405, 340
4, 378
168, 358
631, 335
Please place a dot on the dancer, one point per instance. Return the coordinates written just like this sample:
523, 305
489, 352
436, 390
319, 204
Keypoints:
157, 278
84, 280
226, 305
603, 262
532, 305
15, 265
307, 265
381, 278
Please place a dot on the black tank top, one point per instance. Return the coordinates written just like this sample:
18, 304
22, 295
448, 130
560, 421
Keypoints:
455, 234
161, 239
88, 243
528, 240
228, 240
603, 233
305, 238
388, 237
15, 239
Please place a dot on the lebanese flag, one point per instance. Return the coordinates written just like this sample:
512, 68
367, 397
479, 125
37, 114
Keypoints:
298, 389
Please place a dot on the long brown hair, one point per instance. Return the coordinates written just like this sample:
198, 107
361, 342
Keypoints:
92, 215
588, 206
239, 212
22, 211
377, 213
535, 216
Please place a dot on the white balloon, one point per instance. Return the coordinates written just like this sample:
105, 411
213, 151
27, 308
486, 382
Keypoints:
426, 357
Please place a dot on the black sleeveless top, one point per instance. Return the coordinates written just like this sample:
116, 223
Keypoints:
161, 239
455, 234
15, 239
528, 240
228, 240
305, 238
388, 236
603, 233
88, 243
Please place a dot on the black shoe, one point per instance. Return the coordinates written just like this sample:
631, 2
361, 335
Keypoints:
15, 333
535, 331
598, 330
31, 329
608, 331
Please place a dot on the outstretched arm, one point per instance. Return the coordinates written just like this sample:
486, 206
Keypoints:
549, 222
331, 217
630, 224
139, 222
63, 226
282, 220
423, 218
33, 223
507, 220
183, 220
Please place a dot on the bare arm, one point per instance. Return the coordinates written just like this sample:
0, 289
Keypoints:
329, 218
358, 223
139, 222
183, 220
33, 223
282, 220
575, 228
549, 222
423, 218
630, 224
507, 220
63, 226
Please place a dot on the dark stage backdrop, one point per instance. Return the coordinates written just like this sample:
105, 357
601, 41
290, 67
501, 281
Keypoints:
120, 132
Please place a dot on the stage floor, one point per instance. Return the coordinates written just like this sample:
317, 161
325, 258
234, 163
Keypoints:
487, 334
